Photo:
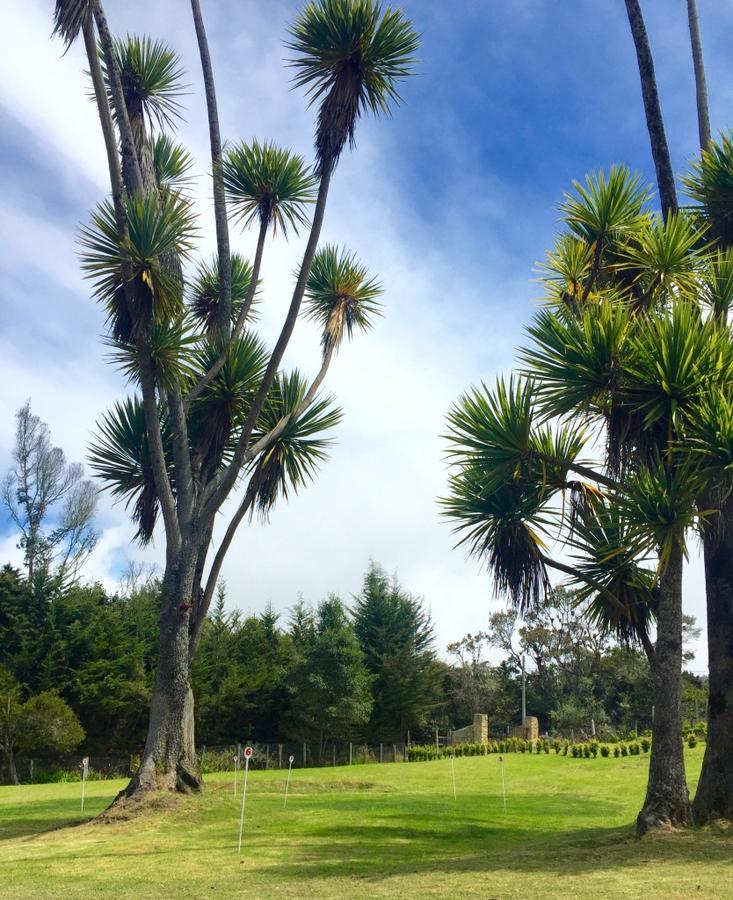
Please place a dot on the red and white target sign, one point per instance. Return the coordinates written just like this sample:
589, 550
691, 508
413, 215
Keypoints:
247, 752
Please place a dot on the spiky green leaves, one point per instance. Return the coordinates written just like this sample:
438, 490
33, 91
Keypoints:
151, 76
69, 17
664, 258
157, 227
350, 55
710, 183
268, 184
120, 457
205, 294
172, 163
606, 207
293, 459
340, 296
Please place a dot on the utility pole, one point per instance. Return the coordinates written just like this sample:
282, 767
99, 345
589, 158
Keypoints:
524, 693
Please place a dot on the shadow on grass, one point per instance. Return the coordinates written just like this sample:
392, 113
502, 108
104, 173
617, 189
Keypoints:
42, 816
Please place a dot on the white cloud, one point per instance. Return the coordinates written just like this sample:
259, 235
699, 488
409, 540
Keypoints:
456, 295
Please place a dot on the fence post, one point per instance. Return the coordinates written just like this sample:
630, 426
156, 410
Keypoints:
394, 752
279, 756
437, 742
351, 752
334, 754
381, 752
32, 761
267, 756
304, 754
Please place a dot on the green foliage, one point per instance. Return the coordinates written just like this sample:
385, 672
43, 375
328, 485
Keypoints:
205, 293
339, 296
268, 185
151, 76
49, 725
395, 633
350, 55
710, 183
330, 685
172, 163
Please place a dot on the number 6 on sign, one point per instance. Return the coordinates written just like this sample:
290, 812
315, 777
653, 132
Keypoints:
247, 757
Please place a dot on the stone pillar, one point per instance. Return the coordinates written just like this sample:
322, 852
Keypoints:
480, 728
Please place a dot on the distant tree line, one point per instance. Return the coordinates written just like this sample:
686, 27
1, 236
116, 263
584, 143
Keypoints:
363, 670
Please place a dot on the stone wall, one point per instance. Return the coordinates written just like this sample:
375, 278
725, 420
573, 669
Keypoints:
477, 733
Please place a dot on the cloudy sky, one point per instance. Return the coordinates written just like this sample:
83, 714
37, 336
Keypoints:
451, 202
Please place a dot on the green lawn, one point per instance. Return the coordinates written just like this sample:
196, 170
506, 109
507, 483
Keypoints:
389, 830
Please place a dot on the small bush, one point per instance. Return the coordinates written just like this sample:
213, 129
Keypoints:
691, 740
605, 750
645, 744
617, 751
624, 750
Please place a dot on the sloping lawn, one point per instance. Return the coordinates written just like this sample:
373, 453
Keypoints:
391, 830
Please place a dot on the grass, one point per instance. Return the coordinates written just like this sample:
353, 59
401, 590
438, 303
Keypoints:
390, 830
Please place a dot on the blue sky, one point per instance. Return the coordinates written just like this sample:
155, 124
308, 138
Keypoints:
451, 202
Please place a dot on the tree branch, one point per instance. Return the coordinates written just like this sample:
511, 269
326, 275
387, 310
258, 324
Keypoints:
206, 379
219, 489
220, 207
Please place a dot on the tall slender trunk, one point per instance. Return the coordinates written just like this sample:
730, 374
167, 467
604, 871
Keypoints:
714, 797
12, 770
667, 800
701, 88
220, 206
652, 110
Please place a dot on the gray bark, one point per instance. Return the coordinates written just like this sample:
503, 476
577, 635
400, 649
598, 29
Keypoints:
714, 796
652, 110
667, 802
701, 88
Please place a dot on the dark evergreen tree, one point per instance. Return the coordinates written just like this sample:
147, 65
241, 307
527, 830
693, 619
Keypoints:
396, 636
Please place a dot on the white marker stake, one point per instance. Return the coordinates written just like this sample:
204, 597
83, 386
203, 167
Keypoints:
453, 771
291, 760
503, 785
84, 773
236, 769
247, 756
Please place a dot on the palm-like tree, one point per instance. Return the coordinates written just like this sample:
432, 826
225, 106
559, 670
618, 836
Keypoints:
350, 55
211, 407
630, 358
340, 296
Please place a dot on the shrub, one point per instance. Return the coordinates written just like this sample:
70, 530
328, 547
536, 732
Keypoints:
624, 750
691, 740
605, 750
645, 744
617, 751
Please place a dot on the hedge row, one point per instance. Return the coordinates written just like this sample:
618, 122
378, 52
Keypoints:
587, 750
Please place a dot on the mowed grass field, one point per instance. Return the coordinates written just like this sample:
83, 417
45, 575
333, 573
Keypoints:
391, 830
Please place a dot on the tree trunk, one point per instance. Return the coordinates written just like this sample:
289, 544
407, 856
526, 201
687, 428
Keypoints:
169, 760
701, 88
714, 797
667, 802
652, 110
12, 771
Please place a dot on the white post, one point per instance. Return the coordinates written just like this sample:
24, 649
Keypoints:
247, 754
351, 752
287, 783
236, 769
84, 773
503, 785
381, 752
453, 771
